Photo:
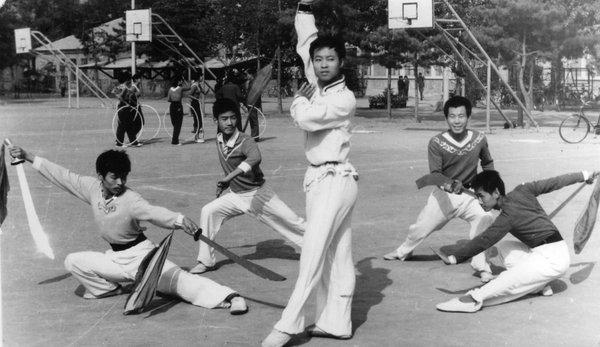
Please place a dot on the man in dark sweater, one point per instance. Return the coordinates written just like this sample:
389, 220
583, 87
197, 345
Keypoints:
454, 153
539, 257
240, 158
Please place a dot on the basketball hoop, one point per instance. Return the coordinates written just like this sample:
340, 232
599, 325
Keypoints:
410, 14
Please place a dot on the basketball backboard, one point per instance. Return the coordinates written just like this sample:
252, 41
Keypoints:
138, 25
410, 14
23, 40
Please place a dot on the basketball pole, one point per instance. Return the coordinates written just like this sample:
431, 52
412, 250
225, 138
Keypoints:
133, 63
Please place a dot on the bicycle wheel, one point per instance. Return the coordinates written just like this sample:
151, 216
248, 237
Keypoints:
260, 116
574, 128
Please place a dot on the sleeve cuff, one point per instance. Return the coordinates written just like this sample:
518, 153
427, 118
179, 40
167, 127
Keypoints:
37, 163
245, 167
179, 220
586, 175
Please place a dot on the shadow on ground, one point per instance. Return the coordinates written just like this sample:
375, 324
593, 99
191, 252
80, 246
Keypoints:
275, 248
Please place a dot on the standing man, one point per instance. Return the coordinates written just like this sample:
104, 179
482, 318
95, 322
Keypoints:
62, 85
174, 98
252, 117
126, 112
421, 84
539, 257
323, 109
231, 90
406, 86
118, 212
196, 93
401, 86
454, 153
240, 159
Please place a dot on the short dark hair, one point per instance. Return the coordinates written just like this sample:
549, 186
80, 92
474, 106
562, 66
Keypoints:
488, 180
114, 161
328, 41
458, 101
223, 105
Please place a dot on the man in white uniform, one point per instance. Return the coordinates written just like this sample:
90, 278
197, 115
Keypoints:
118, 212
323, 110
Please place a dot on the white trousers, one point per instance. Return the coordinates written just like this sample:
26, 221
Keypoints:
262, 203
441, 207
528, 270
100, 273
326, 259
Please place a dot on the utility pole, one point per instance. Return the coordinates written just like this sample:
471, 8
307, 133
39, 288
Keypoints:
133, 62
279, 97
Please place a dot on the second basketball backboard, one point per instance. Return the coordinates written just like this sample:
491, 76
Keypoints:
410, 14
138, 25
23, 40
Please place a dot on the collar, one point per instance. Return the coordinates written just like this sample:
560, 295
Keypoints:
232, 140
500, 203
336, 84
460, 144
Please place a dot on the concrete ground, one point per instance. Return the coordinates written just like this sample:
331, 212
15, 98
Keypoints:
394, 302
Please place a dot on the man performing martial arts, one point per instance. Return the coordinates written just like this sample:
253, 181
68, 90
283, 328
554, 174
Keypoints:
539, 257
455, 154
240, 159
323, 109
118, 212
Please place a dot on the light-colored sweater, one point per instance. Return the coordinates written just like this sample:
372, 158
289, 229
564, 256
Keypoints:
118, 220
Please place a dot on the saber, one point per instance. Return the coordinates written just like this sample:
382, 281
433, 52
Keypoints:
35, 228
37, 232
437, 179
248, 265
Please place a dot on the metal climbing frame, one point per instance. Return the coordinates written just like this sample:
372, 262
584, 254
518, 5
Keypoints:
167, 36
453, 40
72, 67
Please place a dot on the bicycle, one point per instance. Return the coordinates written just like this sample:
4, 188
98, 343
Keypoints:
577, 126
262, 120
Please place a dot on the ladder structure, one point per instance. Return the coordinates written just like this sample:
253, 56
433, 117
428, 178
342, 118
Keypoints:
168, 37
447, 26
72, 67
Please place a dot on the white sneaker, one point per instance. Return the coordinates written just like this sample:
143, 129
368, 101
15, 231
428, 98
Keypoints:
455, 305
238, 306
395, 256
276, 339
201, 268
200, 140
486, 276
547, 291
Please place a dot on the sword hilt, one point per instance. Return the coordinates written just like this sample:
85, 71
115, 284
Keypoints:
15, 161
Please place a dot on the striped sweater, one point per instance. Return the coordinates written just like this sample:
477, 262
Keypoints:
458, 160
240, 151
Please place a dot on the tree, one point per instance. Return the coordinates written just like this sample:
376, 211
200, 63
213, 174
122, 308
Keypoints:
521, 31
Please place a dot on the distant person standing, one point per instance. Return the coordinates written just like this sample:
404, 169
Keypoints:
406, 86
126, 112
176, 108
252, 117
421, 84
196, 93
401, 86
232, 91
62, 85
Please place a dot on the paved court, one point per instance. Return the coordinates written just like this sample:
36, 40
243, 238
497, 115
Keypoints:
394, 303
